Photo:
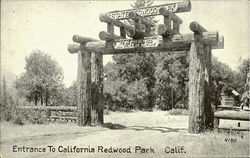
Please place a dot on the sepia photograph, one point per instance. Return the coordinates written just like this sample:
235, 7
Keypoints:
124, 78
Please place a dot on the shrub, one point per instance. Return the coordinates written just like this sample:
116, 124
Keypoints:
178, 112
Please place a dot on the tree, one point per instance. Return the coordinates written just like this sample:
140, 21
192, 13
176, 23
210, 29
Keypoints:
243, 70
42, 80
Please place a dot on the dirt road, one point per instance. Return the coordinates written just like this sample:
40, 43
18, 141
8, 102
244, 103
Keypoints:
139, 134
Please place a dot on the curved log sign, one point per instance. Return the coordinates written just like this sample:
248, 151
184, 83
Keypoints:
152, 10
131, 43
142, 12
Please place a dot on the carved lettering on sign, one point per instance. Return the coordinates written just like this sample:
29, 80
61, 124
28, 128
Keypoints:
150, 11
130, 43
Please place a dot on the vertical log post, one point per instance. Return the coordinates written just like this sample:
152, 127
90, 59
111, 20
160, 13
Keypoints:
97, 88
110, 28
176, 27
84, 86
196, 86
208, 107
123, 32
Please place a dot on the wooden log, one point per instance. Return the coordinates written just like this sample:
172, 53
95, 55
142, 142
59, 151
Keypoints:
197, 28
84, 87
122, 32
220, 44
225, 107
176, 27
63, 117
178, 7
50, 108
167, 22
232, 115
135, 34
81, 39
177, 43
110, 28
73, 48
105, 36
144, 20
208, 38
196, 87
148, 46
163, 11
97, 89
164, 31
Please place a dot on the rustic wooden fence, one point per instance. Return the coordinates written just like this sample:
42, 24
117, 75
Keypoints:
55, 113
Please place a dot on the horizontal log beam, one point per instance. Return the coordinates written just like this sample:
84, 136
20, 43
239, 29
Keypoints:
178, 7
197, 28
73, 48
151, 44
81, 39
163, 11
105, 36
208, 38
107, 19
105, 49
144, 20
51, 108
64, 117
232, 115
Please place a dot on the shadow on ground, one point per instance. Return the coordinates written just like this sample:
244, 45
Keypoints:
142, 128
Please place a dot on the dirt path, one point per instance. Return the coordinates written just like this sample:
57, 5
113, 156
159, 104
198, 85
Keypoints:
155, 131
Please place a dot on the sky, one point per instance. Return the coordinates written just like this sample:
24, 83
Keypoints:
50, 25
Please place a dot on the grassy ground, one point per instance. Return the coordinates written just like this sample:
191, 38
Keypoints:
157, 130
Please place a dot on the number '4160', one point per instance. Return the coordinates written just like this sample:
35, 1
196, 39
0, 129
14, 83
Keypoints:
230, 140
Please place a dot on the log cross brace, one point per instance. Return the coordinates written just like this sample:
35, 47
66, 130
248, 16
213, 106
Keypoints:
171, 24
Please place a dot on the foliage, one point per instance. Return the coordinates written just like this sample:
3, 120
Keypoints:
70, 95
178, 112
124, 96
42, 79
171, 74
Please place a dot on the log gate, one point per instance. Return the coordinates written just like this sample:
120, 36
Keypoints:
199, 45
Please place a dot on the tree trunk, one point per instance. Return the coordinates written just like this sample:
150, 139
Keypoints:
84, 87
46, 97
196, 86
41, 97
97, 88
36, 98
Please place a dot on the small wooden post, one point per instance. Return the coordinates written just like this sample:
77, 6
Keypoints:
216, 124
97, 88
196, 86
84, 86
